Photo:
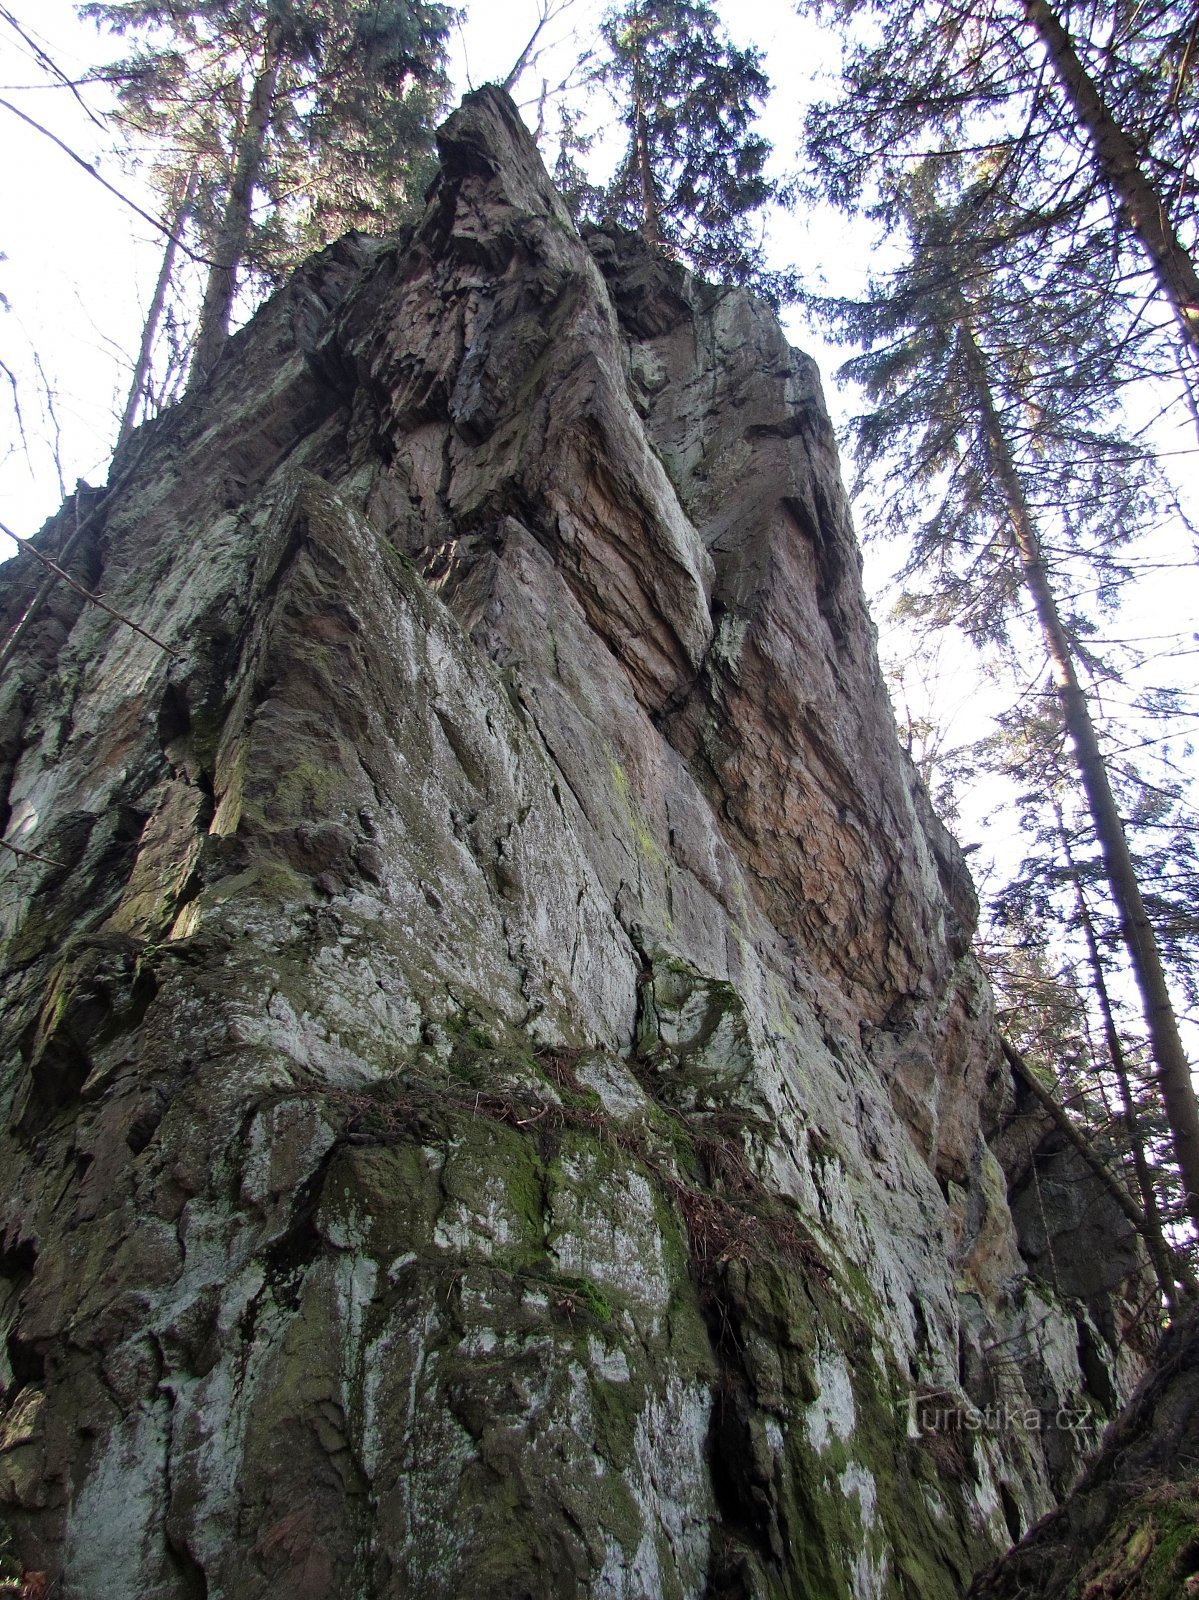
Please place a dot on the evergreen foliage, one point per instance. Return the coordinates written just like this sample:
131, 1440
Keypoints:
1013, 161
923, 457
692, 178
1083, 140
1052, 945
1002, 465
290, 123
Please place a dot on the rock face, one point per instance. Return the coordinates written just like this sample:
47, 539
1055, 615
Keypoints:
497, 1099
1131, 1527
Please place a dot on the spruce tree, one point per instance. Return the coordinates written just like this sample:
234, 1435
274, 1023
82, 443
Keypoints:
1088, 135
692, 178
299, 121
1143, 207
1004, 469
1052, 946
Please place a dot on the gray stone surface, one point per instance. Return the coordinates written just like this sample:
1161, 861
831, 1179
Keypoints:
1131, 1525
496, 1094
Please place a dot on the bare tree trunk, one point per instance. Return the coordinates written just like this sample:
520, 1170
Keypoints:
141, 370
230, 243
1117, 160
651, 218
651, 222
514, 75
1155, 1239
1170, 1061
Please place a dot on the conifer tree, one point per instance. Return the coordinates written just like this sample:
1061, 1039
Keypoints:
299, 120
987, 432
693, 176
1052, 944
1023, 164
1142, 206
1088, 134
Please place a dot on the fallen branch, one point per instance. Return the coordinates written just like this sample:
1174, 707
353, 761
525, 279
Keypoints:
1172, 1266
33, 855
79, 588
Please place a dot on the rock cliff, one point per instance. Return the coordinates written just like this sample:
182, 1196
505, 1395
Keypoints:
497, 1100
1130, 1528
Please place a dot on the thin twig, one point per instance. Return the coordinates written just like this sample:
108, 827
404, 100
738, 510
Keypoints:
49, 65
48, 392
90, 169
33, 855
9, 648
1050, 1104
59, 572
16, 405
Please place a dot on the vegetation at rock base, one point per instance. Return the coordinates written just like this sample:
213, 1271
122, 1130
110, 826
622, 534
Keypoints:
1150, 1552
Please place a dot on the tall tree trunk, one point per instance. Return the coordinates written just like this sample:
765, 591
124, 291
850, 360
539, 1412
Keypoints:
1117, 161
651, 221
1155, 1240
1173, 1069
517, 70
230, 243
141, 370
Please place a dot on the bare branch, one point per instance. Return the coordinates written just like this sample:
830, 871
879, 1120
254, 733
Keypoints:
89, 168
547, 12
46, 61
59, 572
16, 405
32, 855
56, 450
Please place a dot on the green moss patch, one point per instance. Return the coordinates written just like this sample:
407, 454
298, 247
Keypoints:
1151, 1551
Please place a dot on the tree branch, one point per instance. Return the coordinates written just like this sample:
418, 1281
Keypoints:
60, 572
1062, 1122
90, 169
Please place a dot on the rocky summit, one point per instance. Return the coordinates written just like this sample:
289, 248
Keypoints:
497, 1097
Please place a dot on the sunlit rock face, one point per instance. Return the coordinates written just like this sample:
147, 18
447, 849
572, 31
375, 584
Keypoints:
497, 1099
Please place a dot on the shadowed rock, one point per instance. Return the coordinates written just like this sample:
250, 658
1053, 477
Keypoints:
1131, 1527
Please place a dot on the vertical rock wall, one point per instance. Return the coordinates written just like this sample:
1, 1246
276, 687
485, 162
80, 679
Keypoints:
496, 1099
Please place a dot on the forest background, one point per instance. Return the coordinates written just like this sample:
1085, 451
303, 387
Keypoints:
968, 668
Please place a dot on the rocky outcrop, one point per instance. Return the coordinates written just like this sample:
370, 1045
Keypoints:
497, 1098
1131, 1527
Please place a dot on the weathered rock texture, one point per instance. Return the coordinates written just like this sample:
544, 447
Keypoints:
497, 1098
1131, 1527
